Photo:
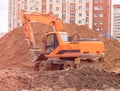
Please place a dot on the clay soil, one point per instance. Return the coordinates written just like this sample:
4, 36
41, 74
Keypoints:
16, 68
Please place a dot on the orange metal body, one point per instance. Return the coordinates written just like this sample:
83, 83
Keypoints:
83, 49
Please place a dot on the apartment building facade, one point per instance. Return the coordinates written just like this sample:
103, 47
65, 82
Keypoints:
80, 12
116, 22
102, 16
14, 9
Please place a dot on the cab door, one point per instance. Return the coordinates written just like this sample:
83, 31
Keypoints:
51, 43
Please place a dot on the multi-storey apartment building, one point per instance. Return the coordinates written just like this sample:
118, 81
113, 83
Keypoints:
14, 8
116, 22
102, 16
94, 13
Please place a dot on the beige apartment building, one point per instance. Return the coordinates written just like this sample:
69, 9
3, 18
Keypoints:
79, 12
116, 22
70, 11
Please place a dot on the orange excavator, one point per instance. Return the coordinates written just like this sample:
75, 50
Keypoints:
59, 51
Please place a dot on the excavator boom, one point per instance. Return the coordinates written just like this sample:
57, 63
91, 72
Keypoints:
43, 18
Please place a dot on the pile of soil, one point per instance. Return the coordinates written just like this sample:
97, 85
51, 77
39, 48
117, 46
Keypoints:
11, 80
14, 51
83, 31
112, 49
15, 55
87, 79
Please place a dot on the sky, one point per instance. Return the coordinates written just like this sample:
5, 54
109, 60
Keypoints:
4, 14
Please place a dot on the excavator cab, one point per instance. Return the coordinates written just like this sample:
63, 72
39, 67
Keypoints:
53, 40
51, 43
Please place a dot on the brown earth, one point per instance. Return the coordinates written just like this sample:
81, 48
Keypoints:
13, 50
86, 79
15, 58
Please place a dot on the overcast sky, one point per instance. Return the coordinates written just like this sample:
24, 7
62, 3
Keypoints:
4, 14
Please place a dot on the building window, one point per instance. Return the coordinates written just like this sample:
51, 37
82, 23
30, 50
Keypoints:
95, 15
57, 1
80, 21
64, 16
72, 14
72, 21
72, 1
101, 15
87, 0
95, 23
97, 29
37, 3
101, 22
57, 15
64, 1
44, 3
101, 29
101, 8
87, 7
96, 8
80, 7
80, 14
57, 8
31, 8
64, 7
50, 1
87, 15
101, 1
96, 1
36, 9
80, 0
72, 7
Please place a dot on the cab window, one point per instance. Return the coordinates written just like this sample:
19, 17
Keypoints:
51, 43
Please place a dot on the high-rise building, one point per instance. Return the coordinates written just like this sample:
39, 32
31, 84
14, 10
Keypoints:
102, 16
94, 13
116, 22
14, 8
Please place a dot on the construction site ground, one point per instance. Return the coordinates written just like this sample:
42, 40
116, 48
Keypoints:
17, 73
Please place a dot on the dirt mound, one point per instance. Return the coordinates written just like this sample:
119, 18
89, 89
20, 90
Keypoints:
83, 31
14, 52
11, 80
112, 49
65, 80
87, 78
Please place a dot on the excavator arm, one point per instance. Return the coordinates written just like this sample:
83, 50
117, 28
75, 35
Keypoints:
49, 19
